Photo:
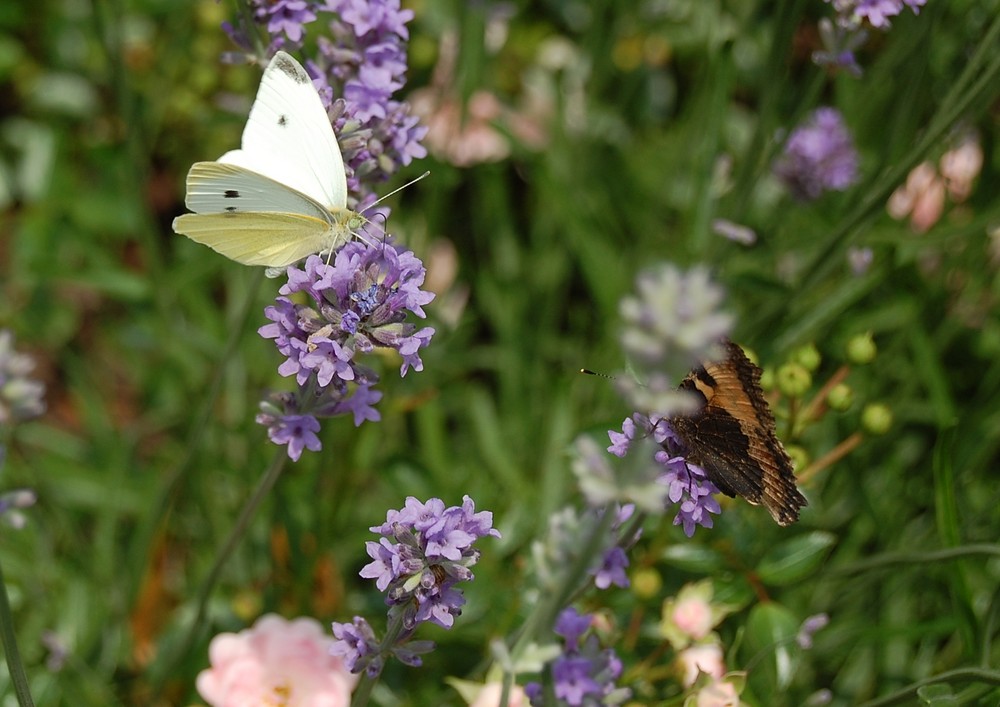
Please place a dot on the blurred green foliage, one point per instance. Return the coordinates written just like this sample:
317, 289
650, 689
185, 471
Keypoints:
628, 128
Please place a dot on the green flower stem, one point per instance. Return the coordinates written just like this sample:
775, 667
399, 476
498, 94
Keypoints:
909, 694
239, 531
10, 651
362, 693
922, 558
171, 490
571, 583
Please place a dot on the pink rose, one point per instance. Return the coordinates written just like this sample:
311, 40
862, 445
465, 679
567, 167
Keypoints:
276, 662
718, 694
705, 658
693, 616
489, 696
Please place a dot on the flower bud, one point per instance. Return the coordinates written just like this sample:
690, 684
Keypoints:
808, 356
646, 583
876, 418
840, 397
861, 349
794, 380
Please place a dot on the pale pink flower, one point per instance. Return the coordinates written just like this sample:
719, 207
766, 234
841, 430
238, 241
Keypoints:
690, 616
922, 198
705, 658
489, 696
276, 663
718, 694
960, 167
693, 616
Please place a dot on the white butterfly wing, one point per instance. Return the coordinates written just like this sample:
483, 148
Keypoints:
255, 238
255, 220
289, 138
216, 188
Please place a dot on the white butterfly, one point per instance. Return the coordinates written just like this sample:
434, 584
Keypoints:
283, 195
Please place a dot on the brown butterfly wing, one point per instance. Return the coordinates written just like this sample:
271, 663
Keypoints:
733, 436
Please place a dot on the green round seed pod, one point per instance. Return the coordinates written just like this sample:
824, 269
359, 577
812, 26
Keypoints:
794, 380
841, 397
646, 583
861, 349
876, 418
808, 356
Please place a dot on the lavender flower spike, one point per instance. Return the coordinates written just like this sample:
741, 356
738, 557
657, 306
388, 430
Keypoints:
425, 550
684, 484
818, 157
584, 674
358, 303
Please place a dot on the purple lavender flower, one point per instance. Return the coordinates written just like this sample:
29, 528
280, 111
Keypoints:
851, 13
571, 625
357, 645
297, 431
687, 485
285, 17
612, 570
425, 550
584, 674
362, 62
809, 627
819, 156
361, 649
839, 45
358, 303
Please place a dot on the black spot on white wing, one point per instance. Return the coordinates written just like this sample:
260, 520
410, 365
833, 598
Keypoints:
282, 120
289, 67
231, 194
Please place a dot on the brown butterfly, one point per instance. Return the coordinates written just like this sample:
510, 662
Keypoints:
733, 439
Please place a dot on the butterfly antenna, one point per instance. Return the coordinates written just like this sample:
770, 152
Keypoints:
397, 189
587, 371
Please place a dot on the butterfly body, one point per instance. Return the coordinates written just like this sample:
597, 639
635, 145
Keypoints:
733, 436
283, 194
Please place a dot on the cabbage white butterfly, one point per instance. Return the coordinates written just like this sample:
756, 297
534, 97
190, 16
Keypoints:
283, 195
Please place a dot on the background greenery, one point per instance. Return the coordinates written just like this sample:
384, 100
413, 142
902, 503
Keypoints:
103, 106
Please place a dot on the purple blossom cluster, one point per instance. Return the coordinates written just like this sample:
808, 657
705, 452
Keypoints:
852, 13
614, 560
362, 62
819, 156
425, 550
583, 674
358, 303
839, 45
687, 484
842, 37
361, 650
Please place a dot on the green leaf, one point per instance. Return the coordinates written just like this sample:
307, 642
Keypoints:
693, 558
770, 629
795, 559
937, 695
